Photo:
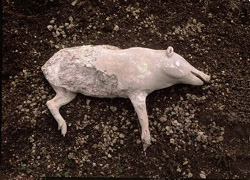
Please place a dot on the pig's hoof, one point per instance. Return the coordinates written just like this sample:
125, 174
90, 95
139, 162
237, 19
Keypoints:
146, 140
145, 146
146, 143
63, 127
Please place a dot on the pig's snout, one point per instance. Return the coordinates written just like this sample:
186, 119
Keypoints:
202, 76
196, 78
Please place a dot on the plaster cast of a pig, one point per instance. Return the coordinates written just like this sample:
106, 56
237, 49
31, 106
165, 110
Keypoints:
107, 71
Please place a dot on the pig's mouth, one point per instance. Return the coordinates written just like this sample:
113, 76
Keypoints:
199, 76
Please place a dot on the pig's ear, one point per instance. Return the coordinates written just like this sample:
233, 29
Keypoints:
169, 51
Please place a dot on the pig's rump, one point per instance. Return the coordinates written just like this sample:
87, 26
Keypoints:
72, 69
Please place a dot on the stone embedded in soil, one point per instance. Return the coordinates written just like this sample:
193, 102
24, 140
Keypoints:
189, 175
50, 27
138, 141
113, 108
202, 175
114, 128
172, 141
163, 119
52, 21
116, 28
70, 19
122, 135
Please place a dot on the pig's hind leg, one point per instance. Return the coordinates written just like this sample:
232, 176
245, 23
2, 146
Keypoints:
62, 97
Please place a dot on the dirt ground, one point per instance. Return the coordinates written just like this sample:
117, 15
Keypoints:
198, 132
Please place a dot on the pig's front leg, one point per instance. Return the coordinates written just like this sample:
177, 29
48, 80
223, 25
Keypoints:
139, 102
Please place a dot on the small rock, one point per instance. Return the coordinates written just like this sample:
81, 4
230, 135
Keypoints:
114, 128
54, 34
50, 27
121, 142
163, 119
210, 16
74, 2
122, 136
70, 19
58, 33
94, 164
203, 175
172, 141
52, 21
175, 123
178, 169
220, 138
113, 108
109, 156
44, 97
70, 26
185, 162
88, 101
116, 28
189, 175
167, 128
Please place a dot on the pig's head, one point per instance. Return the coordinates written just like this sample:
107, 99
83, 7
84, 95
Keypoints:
180, 71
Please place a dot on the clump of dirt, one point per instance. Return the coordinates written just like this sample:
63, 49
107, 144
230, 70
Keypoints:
199, 132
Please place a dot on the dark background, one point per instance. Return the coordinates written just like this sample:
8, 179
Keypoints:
213, 134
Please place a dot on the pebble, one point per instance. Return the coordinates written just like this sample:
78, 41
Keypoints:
175, 123
71, 19
113, 108
74, 2
116, 28
163, 119
88, 101
58, 33
190, 175
54, 34
172, 141
52, 21
50, 27
122, 136
114, 128
121, 142
210, 16
203, 175
220, 138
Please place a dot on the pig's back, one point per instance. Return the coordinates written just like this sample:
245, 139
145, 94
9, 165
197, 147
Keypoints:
72, 68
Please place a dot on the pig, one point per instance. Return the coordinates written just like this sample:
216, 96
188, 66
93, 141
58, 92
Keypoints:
106, 71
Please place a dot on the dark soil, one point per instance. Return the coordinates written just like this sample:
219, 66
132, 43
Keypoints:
214, 36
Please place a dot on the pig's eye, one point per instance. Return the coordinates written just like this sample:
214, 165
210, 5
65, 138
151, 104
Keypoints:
177, 63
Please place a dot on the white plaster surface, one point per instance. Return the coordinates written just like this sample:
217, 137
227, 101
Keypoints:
108, 71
